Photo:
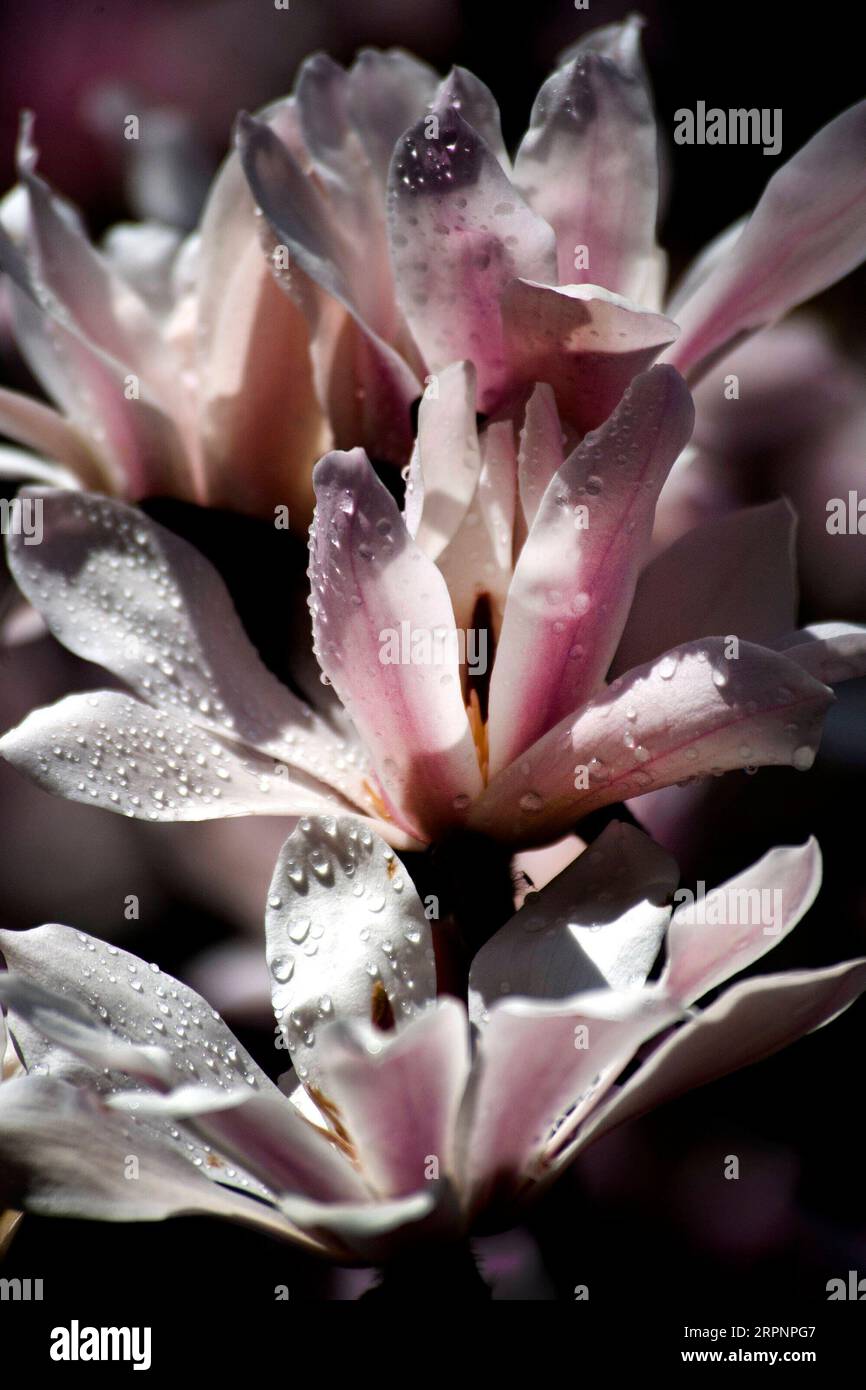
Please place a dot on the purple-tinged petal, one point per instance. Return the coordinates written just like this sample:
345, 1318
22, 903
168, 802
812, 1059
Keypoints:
343, 924
387, 93
122, 591
398, 1094
597, 924
466, 93
807, 231
693, 712
586, 342
459, 234
739, 921
749, 1022
576, 574
372, 586
589, 164
735, 574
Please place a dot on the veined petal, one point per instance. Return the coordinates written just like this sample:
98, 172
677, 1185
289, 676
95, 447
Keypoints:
576, 574
693, 712
113, 751
751, 1021
122, 591
739, 921
343, 923
807, 231
589, 165
586, 342
66, 1155
597, 924
459, 234
371, 587
398, 1094
536, 1060
734, 574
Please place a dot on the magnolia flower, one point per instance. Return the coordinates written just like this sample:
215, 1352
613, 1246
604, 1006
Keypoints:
542, 556
413, 240
406, 239
177, 366
413, 1118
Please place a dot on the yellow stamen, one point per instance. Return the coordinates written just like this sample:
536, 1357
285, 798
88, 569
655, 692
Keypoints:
479, 733
378, 804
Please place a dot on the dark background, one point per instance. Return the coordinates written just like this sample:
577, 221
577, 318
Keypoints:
646, 1219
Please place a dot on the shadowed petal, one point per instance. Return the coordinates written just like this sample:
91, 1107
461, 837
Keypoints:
39, 427
446, 461
598, 923
541, 453
477, 562
586, 342
370, 580
734, 574
576, 574
830, 652
693, 712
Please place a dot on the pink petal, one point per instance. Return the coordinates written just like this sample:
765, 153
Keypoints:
735, 575
398, 1094
756, 909
477, 105
459, 234
807, 231
575, 577
369, 578
589, 165
39, 427
534, 1064
587, 343
751, 1021
691, 713
831, 652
